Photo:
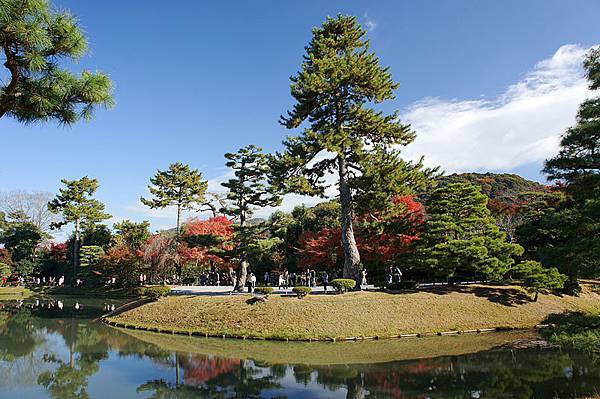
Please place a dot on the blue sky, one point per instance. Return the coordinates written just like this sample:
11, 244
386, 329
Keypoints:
488, 85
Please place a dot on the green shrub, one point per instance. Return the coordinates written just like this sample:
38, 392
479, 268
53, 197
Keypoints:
301, 291
154, 292
403, 285
266, 291
575, 330
342, 285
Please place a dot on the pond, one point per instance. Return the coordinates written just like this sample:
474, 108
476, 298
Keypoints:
53, 348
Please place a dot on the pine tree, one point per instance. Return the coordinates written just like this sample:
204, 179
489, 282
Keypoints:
21, 238
35, 39
250, 188
538, 279
339, 79
573, 232
133, 234
76, 205
460, 235
578, 162
179, 186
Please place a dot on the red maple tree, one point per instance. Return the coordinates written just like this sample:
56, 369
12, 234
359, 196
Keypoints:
219, 227
397, 229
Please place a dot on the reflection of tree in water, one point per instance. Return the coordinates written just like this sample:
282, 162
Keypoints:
491, 374
16, 334
199, 369
86, 349
18, 340
495, 374
349, 377
233, 378
68, 380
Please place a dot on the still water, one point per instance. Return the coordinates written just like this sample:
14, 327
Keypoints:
54, 349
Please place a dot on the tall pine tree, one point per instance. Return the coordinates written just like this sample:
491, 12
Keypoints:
573, 233
578, 162
76, 205
339, 81
250, 188
179, 186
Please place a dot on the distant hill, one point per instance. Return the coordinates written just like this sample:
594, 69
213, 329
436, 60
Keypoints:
503, 187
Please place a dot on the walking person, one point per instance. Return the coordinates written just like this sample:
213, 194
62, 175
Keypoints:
281, 281
325, 281
251, 282
286, 279
363, 273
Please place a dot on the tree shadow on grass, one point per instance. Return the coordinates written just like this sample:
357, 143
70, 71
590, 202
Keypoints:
507, 296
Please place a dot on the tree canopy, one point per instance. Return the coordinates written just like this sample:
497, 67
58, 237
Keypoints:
35, 40
566, 235
250, 188
75, 204
339, 80
578, 161
179, 186
460, 235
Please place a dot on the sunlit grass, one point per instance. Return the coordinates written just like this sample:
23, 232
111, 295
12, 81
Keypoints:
355, 314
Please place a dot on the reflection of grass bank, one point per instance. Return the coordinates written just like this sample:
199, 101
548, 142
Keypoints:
96, 292
355, 314
14, 293
317, 353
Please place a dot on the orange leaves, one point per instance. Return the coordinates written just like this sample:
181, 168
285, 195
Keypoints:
400, 229
219, 226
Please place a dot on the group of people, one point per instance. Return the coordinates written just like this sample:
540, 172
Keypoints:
393, 274
284, 279
211, 278
50, 281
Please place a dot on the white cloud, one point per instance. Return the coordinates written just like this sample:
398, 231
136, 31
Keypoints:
521, 126
369, 23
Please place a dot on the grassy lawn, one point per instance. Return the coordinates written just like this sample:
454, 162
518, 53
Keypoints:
356, 314
13, 293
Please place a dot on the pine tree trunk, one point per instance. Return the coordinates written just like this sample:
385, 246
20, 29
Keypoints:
178, 216
76, 247
352, 266
242, 275
356, 388
243, 267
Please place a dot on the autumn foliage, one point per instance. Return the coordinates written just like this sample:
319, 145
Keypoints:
378, 237
206, 240
59, 252
219, 226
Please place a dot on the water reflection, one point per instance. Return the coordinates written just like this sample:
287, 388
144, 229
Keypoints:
58, 352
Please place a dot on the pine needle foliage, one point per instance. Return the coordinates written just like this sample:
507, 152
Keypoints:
35, 41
